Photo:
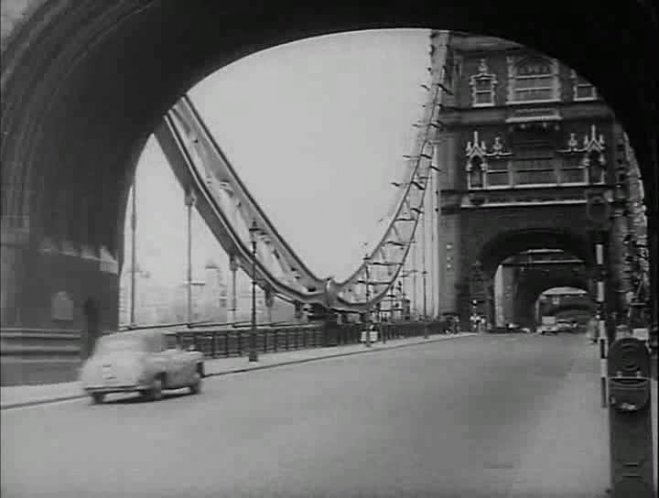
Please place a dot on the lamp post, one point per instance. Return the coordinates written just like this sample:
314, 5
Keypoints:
401, 296
424, 273
253, 355
190, 201
392, 302
233, 266
133, 255
368, 307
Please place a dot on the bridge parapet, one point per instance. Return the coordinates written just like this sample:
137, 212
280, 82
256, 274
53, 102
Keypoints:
225, 343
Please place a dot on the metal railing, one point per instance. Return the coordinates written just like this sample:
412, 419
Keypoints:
233, 343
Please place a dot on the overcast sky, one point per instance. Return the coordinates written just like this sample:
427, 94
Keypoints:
316, 129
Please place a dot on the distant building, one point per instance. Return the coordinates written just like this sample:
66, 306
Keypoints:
158, 304
214, 295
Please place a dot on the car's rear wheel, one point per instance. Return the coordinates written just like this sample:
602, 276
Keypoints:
97, 398
195, 387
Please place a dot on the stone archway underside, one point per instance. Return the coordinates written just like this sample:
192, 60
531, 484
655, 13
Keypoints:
507, 244
529, 292
85, 82
500, 246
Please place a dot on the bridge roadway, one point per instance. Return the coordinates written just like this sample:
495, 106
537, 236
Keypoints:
481, 416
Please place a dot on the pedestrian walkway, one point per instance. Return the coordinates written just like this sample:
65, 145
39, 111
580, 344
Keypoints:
568, 452
17, 396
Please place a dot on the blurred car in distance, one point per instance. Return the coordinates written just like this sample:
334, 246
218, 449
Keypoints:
144, 361
548, 329
564, 326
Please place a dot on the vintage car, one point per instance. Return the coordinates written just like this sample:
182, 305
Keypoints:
545, 329
145, 361
565, 326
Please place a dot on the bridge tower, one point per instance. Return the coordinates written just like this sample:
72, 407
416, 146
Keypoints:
525, 140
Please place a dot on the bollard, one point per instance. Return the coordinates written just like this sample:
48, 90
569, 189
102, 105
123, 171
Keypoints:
630, 422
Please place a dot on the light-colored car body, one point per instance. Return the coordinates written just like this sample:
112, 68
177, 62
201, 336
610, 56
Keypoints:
145, 361
548, 329
564, 326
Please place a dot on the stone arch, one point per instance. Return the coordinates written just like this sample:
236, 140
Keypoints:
69, 55
492, 252
512, 242
528, 295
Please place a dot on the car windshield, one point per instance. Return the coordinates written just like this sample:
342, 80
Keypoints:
117, 343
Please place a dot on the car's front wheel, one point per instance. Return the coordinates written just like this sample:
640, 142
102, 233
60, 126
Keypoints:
195, 387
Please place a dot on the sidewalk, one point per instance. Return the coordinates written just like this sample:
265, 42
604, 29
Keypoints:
568, 451
17, 396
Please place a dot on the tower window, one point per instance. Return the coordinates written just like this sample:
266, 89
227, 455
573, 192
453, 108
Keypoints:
476, 173
482, 86
532, 79
582, 89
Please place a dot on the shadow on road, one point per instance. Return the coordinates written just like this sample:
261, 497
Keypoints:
135, 398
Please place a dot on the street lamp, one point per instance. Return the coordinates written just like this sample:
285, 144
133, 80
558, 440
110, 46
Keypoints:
368, 296
190, 201
253, 355
133, 255
401, 295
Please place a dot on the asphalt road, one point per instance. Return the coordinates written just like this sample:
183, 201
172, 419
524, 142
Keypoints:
483, 416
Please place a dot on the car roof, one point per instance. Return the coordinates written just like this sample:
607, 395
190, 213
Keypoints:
134, 333
153, 339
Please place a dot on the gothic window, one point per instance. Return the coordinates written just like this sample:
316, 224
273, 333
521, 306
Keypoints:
497, 174
482, 86
476, 173
593, 161
534, 165
582, 89
532, 79
583, 163
572, 170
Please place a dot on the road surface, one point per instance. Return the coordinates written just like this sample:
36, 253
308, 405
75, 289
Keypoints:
482, 416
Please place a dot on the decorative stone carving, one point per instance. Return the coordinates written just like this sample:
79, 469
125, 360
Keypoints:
592, 150
572, 144
474, 149
477, 154
591, 142
594, 142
